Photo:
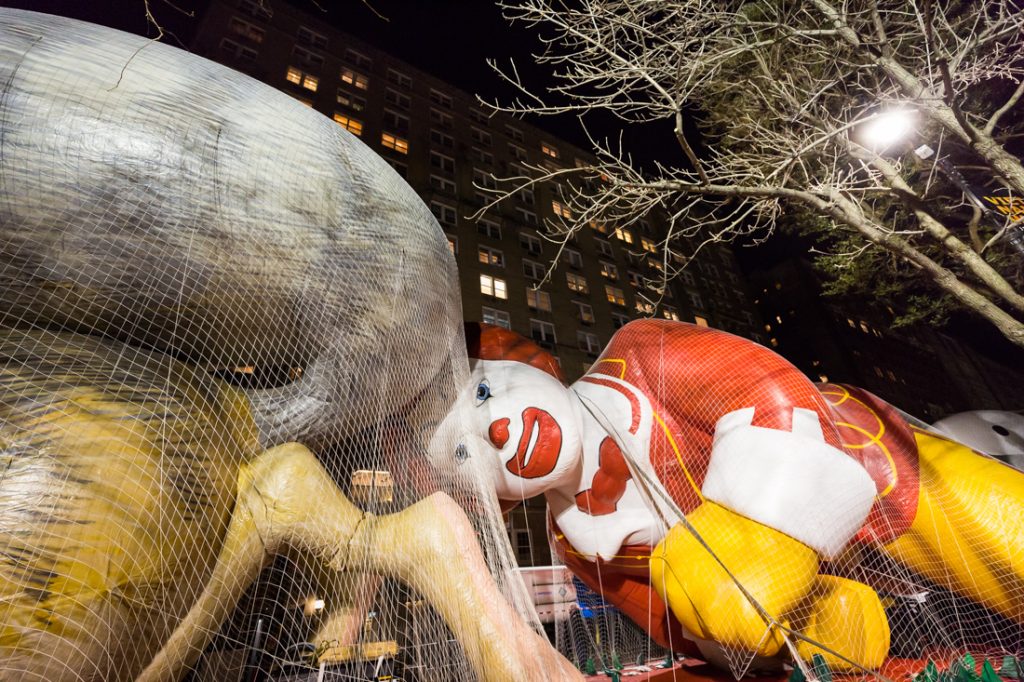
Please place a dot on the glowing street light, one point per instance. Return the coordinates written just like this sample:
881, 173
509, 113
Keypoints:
888, 128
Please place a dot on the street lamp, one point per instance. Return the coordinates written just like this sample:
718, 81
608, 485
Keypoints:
888, 128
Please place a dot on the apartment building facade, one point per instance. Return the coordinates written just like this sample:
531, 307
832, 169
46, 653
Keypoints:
450, 151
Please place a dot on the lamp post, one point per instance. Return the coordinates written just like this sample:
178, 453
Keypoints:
891, 127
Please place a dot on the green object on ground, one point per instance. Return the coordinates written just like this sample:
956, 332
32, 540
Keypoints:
988, 673
797, 675
821, 669
616, 663
1009, 668
614, 675
589, 668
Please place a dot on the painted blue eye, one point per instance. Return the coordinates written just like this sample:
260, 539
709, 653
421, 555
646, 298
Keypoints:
483, 392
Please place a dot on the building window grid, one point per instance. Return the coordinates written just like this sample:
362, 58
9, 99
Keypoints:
440, 99
438, 117
609, 270
489, 256
442, 162
480, 156
484, 180
242, 28
238, 51
584, 312
357, 80
619, 320
561, 210
577, 283
442, 184
308, 57
442, 139
357, 59
614, 295
392, 141
399, 79
496, 317
493, 286
309, 37
531, 244
533, 270
445, 214
538, 300
515, 133
542, 332
397, 98
588, 342
526, 216
624, 235
347, 99
549, 150
350, 124
260, 9
395, 121
302, 78
574, 258
489, 229
400, 168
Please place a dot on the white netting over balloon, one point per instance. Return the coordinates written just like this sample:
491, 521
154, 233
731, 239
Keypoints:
228, 335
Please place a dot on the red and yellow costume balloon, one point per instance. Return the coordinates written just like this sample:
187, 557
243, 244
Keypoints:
705, 487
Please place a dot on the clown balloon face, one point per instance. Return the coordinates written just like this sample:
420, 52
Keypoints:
533, 424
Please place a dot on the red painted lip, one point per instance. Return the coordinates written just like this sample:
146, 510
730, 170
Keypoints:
544, 456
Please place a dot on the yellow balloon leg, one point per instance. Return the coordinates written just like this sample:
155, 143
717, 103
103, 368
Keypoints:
776, 570
847, 618
968, 534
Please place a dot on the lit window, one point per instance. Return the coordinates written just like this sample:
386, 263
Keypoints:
397, 98
496, 317
515, 133
576, 283
347, 99
823, 378
648, 245
530, 244
438, 117
241, 27
442, 162
489, 228
584, 312
670, 313
489, 256
350, 124
442, 184
441, 139
599, 226
644, 308
354, 79
700, 321
561, 209
614, 295
310, 37
481, 136
533, 271
574, 258
394, 142
609, 270
635, 279
775, 342
399, 79
549, 150
538, 300
299, 77
444, 213
440, 99
588, 342
619, 320
542, 332
492, 286
624, 235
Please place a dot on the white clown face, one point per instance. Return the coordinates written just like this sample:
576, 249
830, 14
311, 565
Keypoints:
532, 421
